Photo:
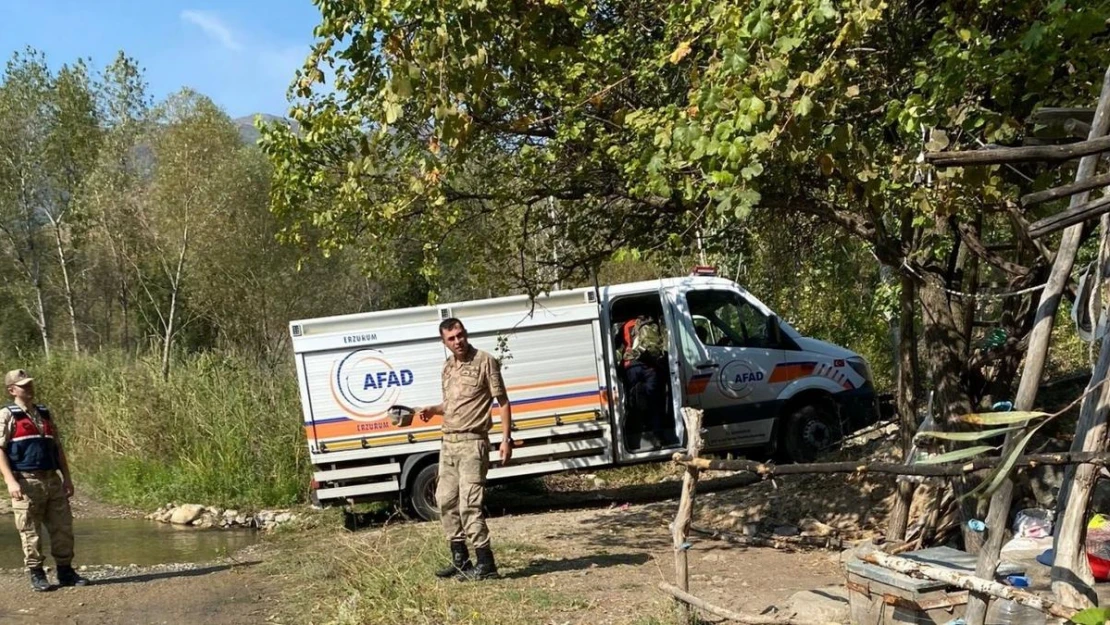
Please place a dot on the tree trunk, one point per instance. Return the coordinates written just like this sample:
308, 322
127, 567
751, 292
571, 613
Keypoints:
175, 291
944, 339
1039, 341
907, 404
40, 304
64, 264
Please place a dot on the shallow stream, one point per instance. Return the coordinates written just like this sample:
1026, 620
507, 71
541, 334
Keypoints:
122, 542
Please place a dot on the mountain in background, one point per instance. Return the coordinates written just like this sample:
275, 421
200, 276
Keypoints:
250, 134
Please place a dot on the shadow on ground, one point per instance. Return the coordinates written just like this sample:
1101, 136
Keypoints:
150, 577
543, 566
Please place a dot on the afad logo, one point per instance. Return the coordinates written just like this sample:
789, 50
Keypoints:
366, 385
738, 377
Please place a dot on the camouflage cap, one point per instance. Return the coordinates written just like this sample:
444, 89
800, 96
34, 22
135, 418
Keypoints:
19, 377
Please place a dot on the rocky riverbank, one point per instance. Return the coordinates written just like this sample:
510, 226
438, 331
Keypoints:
206, 517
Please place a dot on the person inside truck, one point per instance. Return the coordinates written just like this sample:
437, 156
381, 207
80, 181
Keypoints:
643, 362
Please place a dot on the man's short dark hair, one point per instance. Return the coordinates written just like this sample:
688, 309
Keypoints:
450, 324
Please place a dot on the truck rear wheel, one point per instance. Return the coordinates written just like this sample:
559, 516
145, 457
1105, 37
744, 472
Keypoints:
810, 430
422, 493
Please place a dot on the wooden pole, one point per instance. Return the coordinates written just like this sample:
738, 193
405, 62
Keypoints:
1027, 154
685, 514
1098, 459
1050, 115
1070, 217
1072, 581
1056, 193
968, 582
1039, 340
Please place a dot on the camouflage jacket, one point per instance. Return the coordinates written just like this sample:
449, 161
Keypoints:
648, 341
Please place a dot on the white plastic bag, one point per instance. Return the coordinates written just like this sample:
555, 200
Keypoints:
1033, 523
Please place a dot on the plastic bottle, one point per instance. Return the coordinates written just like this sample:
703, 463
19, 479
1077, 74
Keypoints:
1007, 612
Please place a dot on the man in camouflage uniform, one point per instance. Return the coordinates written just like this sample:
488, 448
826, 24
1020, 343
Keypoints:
645, 344
471, 381
30, 461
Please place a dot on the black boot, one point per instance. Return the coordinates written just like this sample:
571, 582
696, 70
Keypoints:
460, 561
68, 577
485, 568
38, 580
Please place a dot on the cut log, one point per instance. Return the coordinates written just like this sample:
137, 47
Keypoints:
967, 582
1070, 217
1036, 355
1056, 193
1030, 154
747, 619
892, 468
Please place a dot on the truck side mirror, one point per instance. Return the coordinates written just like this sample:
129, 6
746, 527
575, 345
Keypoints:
774, 331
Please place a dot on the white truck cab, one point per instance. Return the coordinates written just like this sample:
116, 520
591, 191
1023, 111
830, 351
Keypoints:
576, 402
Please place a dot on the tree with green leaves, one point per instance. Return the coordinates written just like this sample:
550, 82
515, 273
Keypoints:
193, 144
648, 121
25, 95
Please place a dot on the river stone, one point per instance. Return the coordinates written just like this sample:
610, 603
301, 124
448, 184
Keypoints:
205, 521
822, 605
265, 516
231, 514
186, 514
284, 517
242, 519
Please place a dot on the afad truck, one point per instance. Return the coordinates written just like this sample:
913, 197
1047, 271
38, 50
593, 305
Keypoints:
761, 384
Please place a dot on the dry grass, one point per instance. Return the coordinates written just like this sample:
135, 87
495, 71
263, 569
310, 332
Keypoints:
386, 576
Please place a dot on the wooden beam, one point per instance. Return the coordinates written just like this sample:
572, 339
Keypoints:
1056, 115
1077, 129
1066, 190
1037, 153
893, 468
968, 582
1070, 217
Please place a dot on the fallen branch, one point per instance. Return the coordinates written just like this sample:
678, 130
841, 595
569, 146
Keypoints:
747, 619
1036, 153
1070, 217
1066, 190
892, 468
967, 582
785, 543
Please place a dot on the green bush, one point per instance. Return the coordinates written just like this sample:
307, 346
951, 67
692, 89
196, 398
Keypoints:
220, 431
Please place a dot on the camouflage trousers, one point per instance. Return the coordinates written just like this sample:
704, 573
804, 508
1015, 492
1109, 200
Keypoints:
461, 489
44, 503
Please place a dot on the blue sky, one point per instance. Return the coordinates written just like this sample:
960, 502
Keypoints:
240, 53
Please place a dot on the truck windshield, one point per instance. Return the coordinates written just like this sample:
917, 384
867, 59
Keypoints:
732, 321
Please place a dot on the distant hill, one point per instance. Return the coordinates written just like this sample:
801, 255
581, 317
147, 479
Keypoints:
250, 134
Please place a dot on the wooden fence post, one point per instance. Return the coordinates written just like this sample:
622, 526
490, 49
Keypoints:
681, 529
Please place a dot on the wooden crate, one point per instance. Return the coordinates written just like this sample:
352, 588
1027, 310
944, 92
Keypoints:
878, 596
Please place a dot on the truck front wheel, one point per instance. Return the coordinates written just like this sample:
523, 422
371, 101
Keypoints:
810, 430
422, 493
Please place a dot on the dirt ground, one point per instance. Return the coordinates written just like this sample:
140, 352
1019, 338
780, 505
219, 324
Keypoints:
611, 555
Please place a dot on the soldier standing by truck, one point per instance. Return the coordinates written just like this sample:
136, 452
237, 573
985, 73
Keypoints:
471, 381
